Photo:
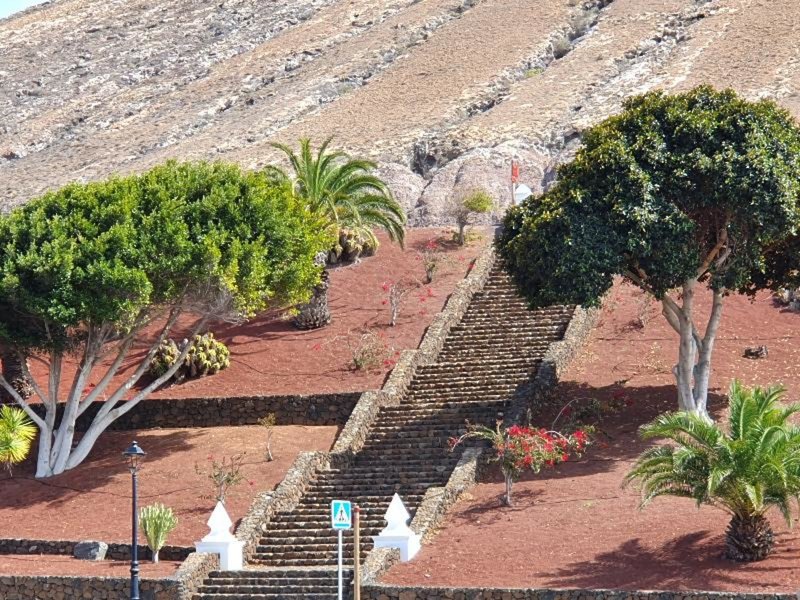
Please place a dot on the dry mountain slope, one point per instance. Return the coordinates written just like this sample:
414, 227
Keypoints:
442, 92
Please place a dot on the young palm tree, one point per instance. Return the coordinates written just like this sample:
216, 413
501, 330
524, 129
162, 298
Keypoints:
349, 200
746, 470
16, 434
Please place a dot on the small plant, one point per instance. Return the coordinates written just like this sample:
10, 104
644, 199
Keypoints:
370, 352
157, 522
533, 72
16, 434
518, 448
477, 201
744, 469
432, 259
268, 422
206, 356
223, 474
396, 292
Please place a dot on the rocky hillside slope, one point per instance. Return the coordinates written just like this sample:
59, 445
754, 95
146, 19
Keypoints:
443, 93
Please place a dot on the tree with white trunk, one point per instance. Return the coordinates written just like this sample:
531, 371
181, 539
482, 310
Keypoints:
676, 193
97, 275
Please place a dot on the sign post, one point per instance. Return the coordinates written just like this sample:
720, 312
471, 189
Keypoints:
341, 519
357, 556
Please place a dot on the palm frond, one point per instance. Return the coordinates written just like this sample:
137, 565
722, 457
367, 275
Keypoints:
753, 465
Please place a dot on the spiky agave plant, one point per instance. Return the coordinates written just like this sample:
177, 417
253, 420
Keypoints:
157, 522
745, 470
16, 434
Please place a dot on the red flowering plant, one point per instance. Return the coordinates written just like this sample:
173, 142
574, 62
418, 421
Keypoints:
519, 448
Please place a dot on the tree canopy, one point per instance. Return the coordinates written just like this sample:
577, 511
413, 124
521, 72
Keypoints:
677, 190
85, 268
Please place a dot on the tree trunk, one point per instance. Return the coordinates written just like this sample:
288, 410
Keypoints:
15, 375
315, 313
748, 538
693, 370
155, 557
509, 484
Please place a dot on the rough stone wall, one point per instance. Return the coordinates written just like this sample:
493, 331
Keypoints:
89, 588
556, 360
317, 409
66, 547
435, 504
370, 592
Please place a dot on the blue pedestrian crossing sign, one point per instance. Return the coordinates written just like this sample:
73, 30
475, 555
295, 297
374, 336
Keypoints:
341, 514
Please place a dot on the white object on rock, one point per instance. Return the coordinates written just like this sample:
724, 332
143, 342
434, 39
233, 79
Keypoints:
397, 533
221, 541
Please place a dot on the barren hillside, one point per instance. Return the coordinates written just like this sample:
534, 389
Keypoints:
441, 92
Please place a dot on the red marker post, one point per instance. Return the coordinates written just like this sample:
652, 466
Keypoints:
514, 181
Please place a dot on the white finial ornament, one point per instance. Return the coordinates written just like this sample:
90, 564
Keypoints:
221, 541
397, 533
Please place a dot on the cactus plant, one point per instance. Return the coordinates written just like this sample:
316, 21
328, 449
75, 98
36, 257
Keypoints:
157, 522
205, 356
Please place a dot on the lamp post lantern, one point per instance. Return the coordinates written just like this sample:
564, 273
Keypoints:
134, 456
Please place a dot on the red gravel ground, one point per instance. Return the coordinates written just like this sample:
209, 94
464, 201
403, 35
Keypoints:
269, 356
93, 501
575, 527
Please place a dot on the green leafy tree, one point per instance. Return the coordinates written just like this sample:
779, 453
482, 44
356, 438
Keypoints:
16, 434
84, 270
675, 193
476, 201
350, 202
745, 470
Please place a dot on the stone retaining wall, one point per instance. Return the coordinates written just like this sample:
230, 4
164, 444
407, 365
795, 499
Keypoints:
316, 409
435, 504
179, 586
376, 592
66, 547
556, 360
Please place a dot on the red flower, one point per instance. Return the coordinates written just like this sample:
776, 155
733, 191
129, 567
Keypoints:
316, 347
385, 302
564, 457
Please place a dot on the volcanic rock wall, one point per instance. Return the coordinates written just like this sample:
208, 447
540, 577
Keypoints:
442, 93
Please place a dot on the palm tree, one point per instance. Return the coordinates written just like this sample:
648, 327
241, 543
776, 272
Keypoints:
16, 434
745, 471
350, 201
15, 375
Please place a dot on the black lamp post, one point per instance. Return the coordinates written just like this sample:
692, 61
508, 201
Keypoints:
134, 456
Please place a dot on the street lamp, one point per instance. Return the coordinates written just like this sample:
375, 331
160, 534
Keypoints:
134, 456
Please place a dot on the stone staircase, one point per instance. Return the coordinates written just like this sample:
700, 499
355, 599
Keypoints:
494, 350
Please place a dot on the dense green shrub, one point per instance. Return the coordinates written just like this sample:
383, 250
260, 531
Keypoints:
87, 269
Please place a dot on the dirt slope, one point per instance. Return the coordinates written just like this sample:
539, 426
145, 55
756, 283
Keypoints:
442, 92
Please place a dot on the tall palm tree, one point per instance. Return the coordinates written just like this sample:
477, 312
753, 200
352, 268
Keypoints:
745, 470
349, 200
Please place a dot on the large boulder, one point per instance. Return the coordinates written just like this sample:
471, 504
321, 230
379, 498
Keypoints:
90, 550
